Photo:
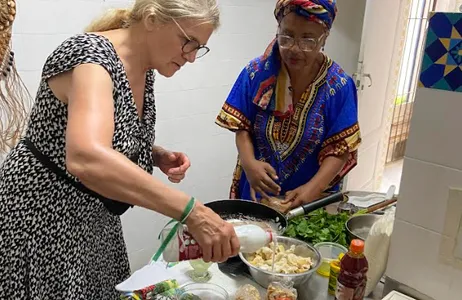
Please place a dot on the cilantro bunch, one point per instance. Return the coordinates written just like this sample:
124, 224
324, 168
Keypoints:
319, 226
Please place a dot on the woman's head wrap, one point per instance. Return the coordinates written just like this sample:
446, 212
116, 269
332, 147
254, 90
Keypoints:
321, 11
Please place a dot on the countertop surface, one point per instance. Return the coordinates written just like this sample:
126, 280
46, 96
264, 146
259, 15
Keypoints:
315, 288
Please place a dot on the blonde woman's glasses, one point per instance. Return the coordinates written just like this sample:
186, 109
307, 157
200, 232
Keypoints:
192, 45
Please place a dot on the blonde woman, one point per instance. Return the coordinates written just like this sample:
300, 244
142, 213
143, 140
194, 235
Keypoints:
88, 154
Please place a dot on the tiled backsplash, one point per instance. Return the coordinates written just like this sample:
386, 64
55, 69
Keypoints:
441, 66
424, 254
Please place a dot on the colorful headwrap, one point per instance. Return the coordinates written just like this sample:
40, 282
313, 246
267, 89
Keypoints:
273, 93
323, 11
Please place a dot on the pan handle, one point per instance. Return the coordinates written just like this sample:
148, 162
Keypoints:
307, 208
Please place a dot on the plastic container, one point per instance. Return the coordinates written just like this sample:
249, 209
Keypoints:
329, 252
352, 279
205, 291
184, 247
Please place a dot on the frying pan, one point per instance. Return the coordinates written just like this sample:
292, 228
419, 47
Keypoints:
242, 210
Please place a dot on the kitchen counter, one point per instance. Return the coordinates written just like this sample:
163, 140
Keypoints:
315, 289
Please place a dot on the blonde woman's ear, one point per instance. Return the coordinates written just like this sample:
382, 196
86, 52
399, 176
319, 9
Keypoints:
149, 22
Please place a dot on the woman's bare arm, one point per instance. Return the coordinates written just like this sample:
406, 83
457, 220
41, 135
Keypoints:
330, 167
89, 156
89, 153
156, 150
245, 147
261, 175
313, 189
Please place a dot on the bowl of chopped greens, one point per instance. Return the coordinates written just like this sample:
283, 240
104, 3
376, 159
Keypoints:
319, 226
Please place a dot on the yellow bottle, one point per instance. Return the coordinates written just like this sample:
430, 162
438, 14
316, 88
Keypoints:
334, 271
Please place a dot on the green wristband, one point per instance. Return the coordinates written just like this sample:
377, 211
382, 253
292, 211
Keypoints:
184, 216
188, 210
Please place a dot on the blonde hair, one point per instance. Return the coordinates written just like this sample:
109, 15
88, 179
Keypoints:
14, 97
159, 10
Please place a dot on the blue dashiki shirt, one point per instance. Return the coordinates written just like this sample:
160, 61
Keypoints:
294, 139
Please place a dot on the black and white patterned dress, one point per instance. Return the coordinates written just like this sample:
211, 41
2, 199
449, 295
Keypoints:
57, 239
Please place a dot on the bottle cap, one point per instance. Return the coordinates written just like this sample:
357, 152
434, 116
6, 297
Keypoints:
357, 246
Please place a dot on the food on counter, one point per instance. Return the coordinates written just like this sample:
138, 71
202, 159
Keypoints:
285, 261
247, 292
279, 291
319, 226
276, 203
163, 290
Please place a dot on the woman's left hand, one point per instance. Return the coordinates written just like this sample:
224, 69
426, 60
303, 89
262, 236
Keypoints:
172, 164
302, 195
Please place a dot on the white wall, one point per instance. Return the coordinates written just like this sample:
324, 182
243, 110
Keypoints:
187, 103
449, 5
347, 32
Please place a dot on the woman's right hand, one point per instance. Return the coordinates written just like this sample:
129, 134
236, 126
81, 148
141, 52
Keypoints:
262, 178
215, 236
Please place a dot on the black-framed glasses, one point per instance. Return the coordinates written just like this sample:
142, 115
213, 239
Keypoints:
192, 45
305, 44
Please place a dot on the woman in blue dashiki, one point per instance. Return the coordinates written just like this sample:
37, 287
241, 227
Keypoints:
294, 111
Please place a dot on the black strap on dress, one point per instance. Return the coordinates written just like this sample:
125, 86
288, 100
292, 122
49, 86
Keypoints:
113, 206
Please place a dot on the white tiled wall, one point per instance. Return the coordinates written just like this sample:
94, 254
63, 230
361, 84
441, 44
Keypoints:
448, 5
422, 249
187, 103
432, 138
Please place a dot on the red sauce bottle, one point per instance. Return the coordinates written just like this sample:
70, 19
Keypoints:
351, 282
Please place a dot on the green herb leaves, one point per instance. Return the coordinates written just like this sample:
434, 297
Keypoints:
319, 226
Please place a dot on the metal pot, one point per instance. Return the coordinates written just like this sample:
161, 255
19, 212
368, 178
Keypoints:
358, 226
264, 278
